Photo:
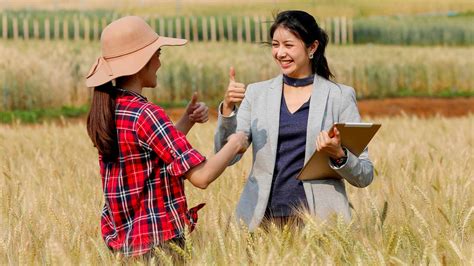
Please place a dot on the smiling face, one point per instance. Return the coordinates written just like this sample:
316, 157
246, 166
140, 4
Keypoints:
291, 54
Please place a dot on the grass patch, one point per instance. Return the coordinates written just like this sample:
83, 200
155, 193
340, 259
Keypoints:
39, 115
416, 30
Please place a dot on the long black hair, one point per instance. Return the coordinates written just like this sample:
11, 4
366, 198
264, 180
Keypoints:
305, 27
101, 121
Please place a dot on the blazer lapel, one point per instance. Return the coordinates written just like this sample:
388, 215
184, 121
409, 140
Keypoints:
273, 112
317, 109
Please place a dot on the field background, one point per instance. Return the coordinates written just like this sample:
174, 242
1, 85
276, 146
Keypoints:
418, 210
56, 71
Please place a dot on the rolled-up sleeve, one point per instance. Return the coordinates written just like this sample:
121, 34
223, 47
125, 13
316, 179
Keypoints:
156, 132
358, 170
184, 162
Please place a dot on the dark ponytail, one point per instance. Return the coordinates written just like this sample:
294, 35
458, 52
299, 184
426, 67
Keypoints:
319, 63
101, 121
305, 27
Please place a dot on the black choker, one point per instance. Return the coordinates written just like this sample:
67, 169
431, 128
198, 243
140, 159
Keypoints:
298, 82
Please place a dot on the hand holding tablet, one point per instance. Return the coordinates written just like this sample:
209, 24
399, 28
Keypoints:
354, 136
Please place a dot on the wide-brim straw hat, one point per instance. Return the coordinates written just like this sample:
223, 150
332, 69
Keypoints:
127, 45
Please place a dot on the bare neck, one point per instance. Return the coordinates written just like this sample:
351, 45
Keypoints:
130, 83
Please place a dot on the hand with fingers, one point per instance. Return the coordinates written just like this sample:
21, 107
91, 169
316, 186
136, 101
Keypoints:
197, 112
234, 94
240, 139
330, 143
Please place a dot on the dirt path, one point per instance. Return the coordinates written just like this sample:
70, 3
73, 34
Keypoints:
422, 107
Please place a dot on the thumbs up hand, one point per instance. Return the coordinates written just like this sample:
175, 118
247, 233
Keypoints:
197, 112
234, 94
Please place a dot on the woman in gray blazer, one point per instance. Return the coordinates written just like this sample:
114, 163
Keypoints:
287, 118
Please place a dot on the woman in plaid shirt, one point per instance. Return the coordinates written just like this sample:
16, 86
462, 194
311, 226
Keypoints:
144, 158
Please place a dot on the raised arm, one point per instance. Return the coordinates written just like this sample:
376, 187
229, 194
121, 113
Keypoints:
230, 117
196, 112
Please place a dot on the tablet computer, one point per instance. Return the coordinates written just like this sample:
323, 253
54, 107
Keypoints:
354, 136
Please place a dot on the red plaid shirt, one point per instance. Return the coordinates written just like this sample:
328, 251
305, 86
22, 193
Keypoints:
144, 188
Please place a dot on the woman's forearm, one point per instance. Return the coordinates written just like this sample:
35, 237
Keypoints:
184, 124
204, 174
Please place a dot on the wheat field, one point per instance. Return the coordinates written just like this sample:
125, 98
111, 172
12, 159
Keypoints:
418, 210
38, 75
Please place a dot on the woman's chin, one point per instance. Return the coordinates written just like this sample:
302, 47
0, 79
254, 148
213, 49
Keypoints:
287, 72
152, 85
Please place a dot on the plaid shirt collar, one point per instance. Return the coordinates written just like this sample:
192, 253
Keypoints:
134, 94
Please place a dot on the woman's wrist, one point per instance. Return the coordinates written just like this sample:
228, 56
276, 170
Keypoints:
186, 120
235, 144
184, 124
340, 154
227, 109
340, 160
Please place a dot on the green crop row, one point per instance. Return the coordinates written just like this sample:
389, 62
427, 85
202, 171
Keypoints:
452, 29
421, 30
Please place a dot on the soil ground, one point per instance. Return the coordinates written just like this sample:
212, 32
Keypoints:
421, 107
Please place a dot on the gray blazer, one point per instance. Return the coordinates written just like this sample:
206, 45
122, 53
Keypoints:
258, 116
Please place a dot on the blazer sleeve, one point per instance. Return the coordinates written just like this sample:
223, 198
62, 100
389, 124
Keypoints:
358, 171
239, 120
